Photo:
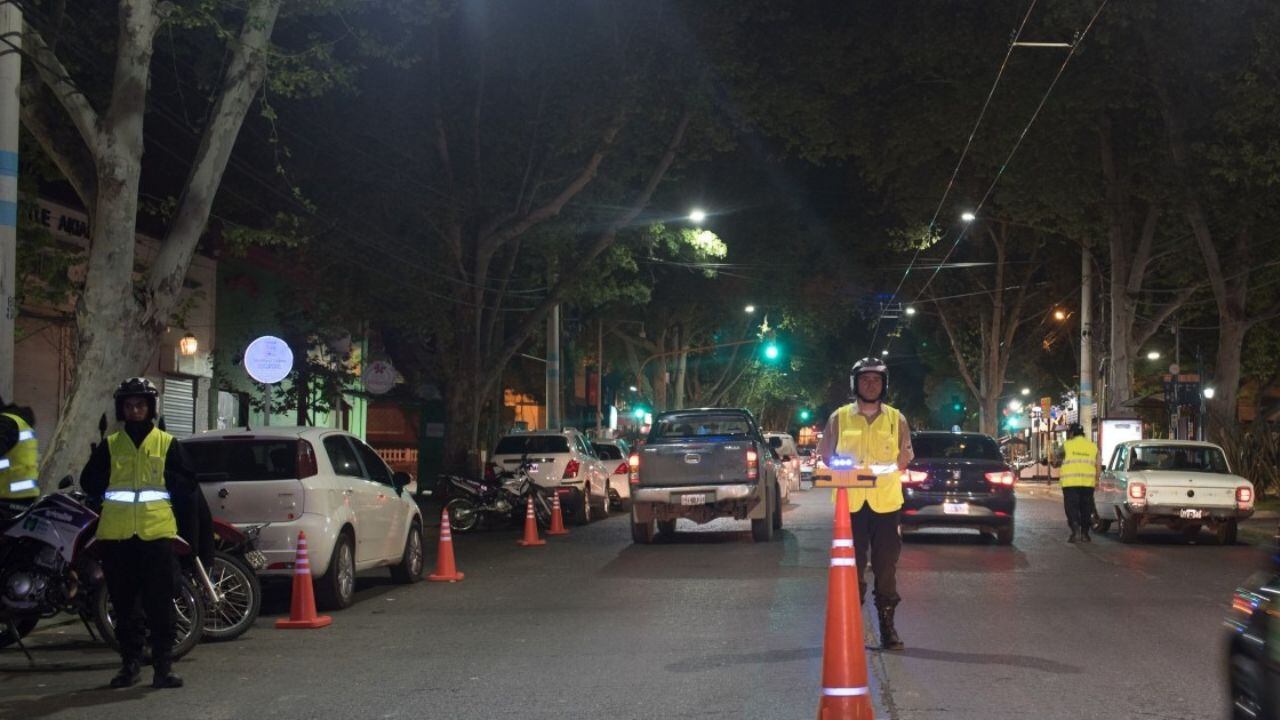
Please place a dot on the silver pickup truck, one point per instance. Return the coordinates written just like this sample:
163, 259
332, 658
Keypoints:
704, 464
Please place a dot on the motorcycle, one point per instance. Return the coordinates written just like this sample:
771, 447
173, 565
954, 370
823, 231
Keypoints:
475, 502
47, 566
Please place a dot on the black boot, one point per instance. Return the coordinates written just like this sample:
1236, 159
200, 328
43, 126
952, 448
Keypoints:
889, 639
1075, 534
165, 677
129, 675
1084, 534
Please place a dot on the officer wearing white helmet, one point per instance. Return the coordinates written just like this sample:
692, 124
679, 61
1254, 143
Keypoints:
873, 433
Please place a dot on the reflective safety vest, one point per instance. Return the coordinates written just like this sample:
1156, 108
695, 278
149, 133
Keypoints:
18, 468
1079, 460
136, 502
874, 443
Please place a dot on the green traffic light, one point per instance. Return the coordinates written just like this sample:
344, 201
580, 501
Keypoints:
805, 415
771, 351
639, 412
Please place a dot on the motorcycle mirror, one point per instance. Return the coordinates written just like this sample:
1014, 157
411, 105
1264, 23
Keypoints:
66, 482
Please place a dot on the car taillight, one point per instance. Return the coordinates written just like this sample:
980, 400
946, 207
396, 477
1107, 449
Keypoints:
622, 469
1137, 491
915, 477
1002, 477
571, 470
753, 465
306, 460
633, 463
1244, 494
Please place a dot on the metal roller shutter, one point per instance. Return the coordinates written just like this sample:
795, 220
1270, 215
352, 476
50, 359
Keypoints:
178, 405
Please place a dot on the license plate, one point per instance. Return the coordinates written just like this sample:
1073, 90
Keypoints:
533, 467
955, 508
698, 499
1191, 514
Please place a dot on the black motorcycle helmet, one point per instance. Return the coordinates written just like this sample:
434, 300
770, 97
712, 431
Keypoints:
869, 365
136, 387
1075, 430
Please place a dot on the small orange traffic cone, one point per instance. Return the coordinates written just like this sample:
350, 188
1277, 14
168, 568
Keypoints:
302, 607
557, 520
446, 570
845, 693
530, 538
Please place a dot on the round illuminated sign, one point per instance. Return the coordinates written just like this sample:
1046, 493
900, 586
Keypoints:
268, 359
379, 377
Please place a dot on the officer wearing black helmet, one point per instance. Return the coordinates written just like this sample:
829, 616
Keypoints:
1079, 478
873, 433
140, 474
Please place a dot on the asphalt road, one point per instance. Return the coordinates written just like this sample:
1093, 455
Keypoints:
708, 625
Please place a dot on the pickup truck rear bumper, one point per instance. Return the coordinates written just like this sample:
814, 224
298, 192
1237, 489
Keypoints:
1161, 513
673, 495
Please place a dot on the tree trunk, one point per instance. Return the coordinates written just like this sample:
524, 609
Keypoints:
1226, 380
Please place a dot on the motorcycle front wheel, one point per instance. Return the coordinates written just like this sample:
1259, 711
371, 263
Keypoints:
464, 514
241, 599
188, 611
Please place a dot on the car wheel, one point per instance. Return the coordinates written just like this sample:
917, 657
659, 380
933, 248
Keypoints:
605, 502
1100, 526
1004, 535
336, 589
777, 516
641, 532
762, 529
1227, 532
409, 570
1129, 529
582, 513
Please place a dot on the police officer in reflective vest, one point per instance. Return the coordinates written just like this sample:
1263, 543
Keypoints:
873, 433
1079, 478
19, 459
139, 473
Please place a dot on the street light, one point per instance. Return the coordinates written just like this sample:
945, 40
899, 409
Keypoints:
910, 310
968, 216
884, 353
633, 388
1015, 405
1026, 391
1209, 393
697, 215
749, 309
1059, 314
1153, 355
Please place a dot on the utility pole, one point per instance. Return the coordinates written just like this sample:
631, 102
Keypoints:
599, 376
553, 369
1084, 403
10, 77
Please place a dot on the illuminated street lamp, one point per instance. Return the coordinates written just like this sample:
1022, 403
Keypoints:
968, 216
1059, 314
188, 345
884, 353
697, 215
1209, 393
1015, 405
749, 309
910, 310
1026, 391
1153, 355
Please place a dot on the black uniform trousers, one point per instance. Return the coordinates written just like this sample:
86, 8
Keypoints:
1078, 502
141, 574
876, 538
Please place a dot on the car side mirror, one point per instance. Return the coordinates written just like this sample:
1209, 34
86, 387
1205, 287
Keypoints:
66, 482
400, 479
775, 442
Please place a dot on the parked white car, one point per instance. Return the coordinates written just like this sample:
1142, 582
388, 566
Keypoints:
357, 514
614, 454
788, 461
1182, 484
562, 461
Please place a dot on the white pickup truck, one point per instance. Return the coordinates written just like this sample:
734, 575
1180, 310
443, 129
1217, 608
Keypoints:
1181, 484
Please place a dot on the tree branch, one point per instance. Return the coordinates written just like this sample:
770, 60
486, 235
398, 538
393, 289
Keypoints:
1142, 255
45, 119
1147, 330
59, 82
965, 374
240, 84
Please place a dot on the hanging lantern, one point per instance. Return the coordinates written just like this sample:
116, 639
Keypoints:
188, 345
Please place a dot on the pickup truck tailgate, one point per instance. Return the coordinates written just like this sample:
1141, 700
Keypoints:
1200, 490
694, 463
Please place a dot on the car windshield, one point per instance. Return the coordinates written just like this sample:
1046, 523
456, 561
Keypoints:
956, 447
531, 445
1178, 457
607, 452
694, 426
240, 460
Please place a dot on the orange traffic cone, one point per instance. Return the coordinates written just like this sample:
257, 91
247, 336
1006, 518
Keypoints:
446, 570
557, 520
302, 608
845, 694
530, 538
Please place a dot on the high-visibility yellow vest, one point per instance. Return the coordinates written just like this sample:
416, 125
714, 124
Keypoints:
19, 467
137, 502
1079, 460
874, 443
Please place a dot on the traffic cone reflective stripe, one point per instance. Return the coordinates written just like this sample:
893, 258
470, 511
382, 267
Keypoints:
845, 692
530, 538
302, 605
446, 569
557, 520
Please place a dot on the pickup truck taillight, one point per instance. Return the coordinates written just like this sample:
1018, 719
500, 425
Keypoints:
1244, 495
915, 477
306, 460
1002, 477
633, 469
753, 465
571, 470
1137, 491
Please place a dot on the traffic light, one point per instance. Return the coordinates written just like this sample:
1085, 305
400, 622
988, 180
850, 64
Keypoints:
772, 352
639, 412
805, 415
956, 405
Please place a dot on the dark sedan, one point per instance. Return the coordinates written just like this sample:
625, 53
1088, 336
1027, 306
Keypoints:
1253, 669
958, 480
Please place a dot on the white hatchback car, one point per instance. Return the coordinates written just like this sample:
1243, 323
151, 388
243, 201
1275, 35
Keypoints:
788, 460
614, 454
357, 514
563, 461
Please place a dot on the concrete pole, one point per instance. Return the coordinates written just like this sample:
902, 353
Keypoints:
599, 376
1085, 401
10, 77
553, 369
